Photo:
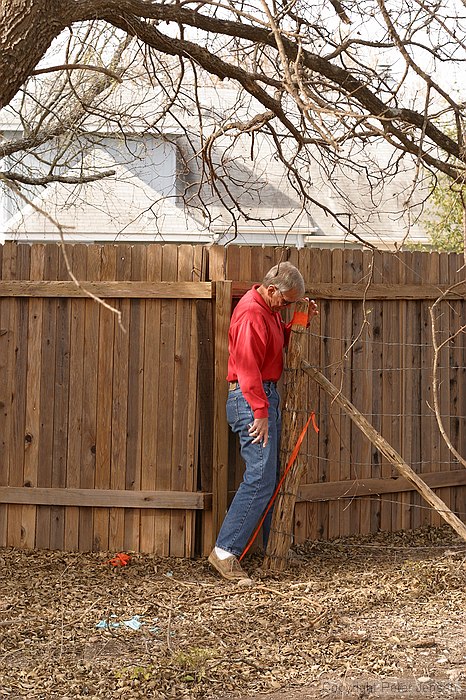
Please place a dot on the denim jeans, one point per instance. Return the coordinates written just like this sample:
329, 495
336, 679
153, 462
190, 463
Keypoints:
260, 476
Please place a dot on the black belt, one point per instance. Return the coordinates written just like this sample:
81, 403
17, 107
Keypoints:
235, 385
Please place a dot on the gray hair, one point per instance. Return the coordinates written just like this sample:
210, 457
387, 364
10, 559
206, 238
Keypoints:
285, 276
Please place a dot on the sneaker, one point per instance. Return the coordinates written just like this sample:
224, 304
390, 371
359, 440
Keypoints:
229, 568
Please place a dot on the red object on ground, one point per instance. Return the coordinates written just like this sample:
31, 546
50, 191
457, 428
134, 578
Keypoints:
120, 559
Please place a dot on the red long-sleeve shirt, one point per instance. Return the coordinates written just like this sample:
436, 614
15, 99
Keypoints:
256, 340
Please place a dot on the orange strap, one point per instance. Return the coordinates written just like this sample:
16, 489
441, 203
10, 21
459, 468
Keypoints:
291, 461
300, 318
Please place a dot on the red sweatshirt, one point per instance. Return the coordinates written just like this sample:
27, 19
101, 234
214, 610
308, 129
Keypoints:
256, 339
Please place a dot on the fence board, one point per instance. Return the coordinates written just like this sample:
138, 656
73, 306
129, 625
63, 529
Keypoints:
150, 398
32, 399
120, 401
135, 399
47, 401
104, 403
75, 398
90, 418
7, 359
447, 389
19, 324
324, 419
336, 375
166, 397
61, 402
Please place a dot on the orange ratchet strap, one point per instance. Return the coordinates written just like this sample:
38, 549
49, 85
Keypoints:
291, 461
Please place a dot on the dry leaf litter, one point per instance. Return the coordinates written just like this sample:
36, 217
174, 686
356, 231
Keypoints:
359, 615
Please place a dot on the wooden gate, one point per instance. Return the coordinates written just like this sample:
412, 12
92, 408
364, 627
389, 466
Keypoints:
100, 420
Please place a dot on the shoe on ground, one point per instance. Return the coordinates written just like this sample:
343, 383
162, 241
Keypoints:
229, 568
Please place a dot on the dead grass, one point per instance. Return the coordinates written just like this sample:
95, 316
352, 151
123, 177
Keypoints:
354, 612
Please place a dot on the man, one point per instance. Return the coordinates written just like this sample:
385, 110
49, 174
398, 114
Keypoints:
256, 340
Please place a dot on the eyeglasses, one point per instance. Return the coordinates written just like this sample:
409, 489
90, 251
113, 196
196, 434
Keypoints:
285, 302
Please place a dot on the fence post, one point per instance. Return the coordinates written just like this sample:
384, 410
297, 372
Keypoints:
222, 313
282, 520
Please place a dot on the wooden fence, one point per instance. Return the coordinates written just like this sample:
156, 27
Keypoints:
116, 439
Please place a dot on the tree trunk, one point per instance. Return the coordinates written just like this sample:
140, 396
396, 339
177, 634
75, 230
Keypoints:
27, 28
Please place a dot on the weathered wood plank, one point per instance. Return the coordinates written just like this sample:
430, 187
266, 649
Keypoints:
150, 412
222, 315
33, 417
105, 498
90, 419
377, 487
135, 395
18, 372
166, 398
47, 384
120, 401
103, 444
61, 402
135, 289
77, 381
376, 291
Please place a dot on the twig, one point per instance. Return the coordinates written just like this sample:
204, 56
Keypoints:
58, 226
78, 66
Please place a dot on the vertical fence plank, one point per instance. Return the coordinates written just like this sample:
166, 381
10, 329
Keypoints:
324, 419
32, 428
120, 401
301, 509
18, 368
75, 399
313, 271
166, 397
47, 400
362, 382
89, 416
104, 401
135, 399
182, 457
216, 270
7, 344
336, 376
220, 464
458, 314
349, 511
150, 412
441, 457
377, 378
457, 378
61, 403
409, 351
418, 364
431, 441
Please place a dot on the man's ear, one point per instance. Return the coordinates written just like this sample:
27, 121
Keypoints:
270, 290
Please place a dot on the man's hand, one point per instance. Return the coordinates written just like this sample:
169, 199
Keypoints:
312, 311
259, 430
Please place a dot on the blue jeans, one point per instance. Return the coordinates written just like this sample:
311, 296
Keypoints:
260, 476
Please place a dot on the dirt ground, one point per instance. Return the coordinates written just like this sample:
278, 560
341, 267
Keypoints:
374, 617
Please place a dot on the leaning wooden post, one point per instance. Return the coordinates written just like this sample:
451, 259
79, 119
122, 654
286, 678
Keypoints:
220, 427
282, 519
387, 450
